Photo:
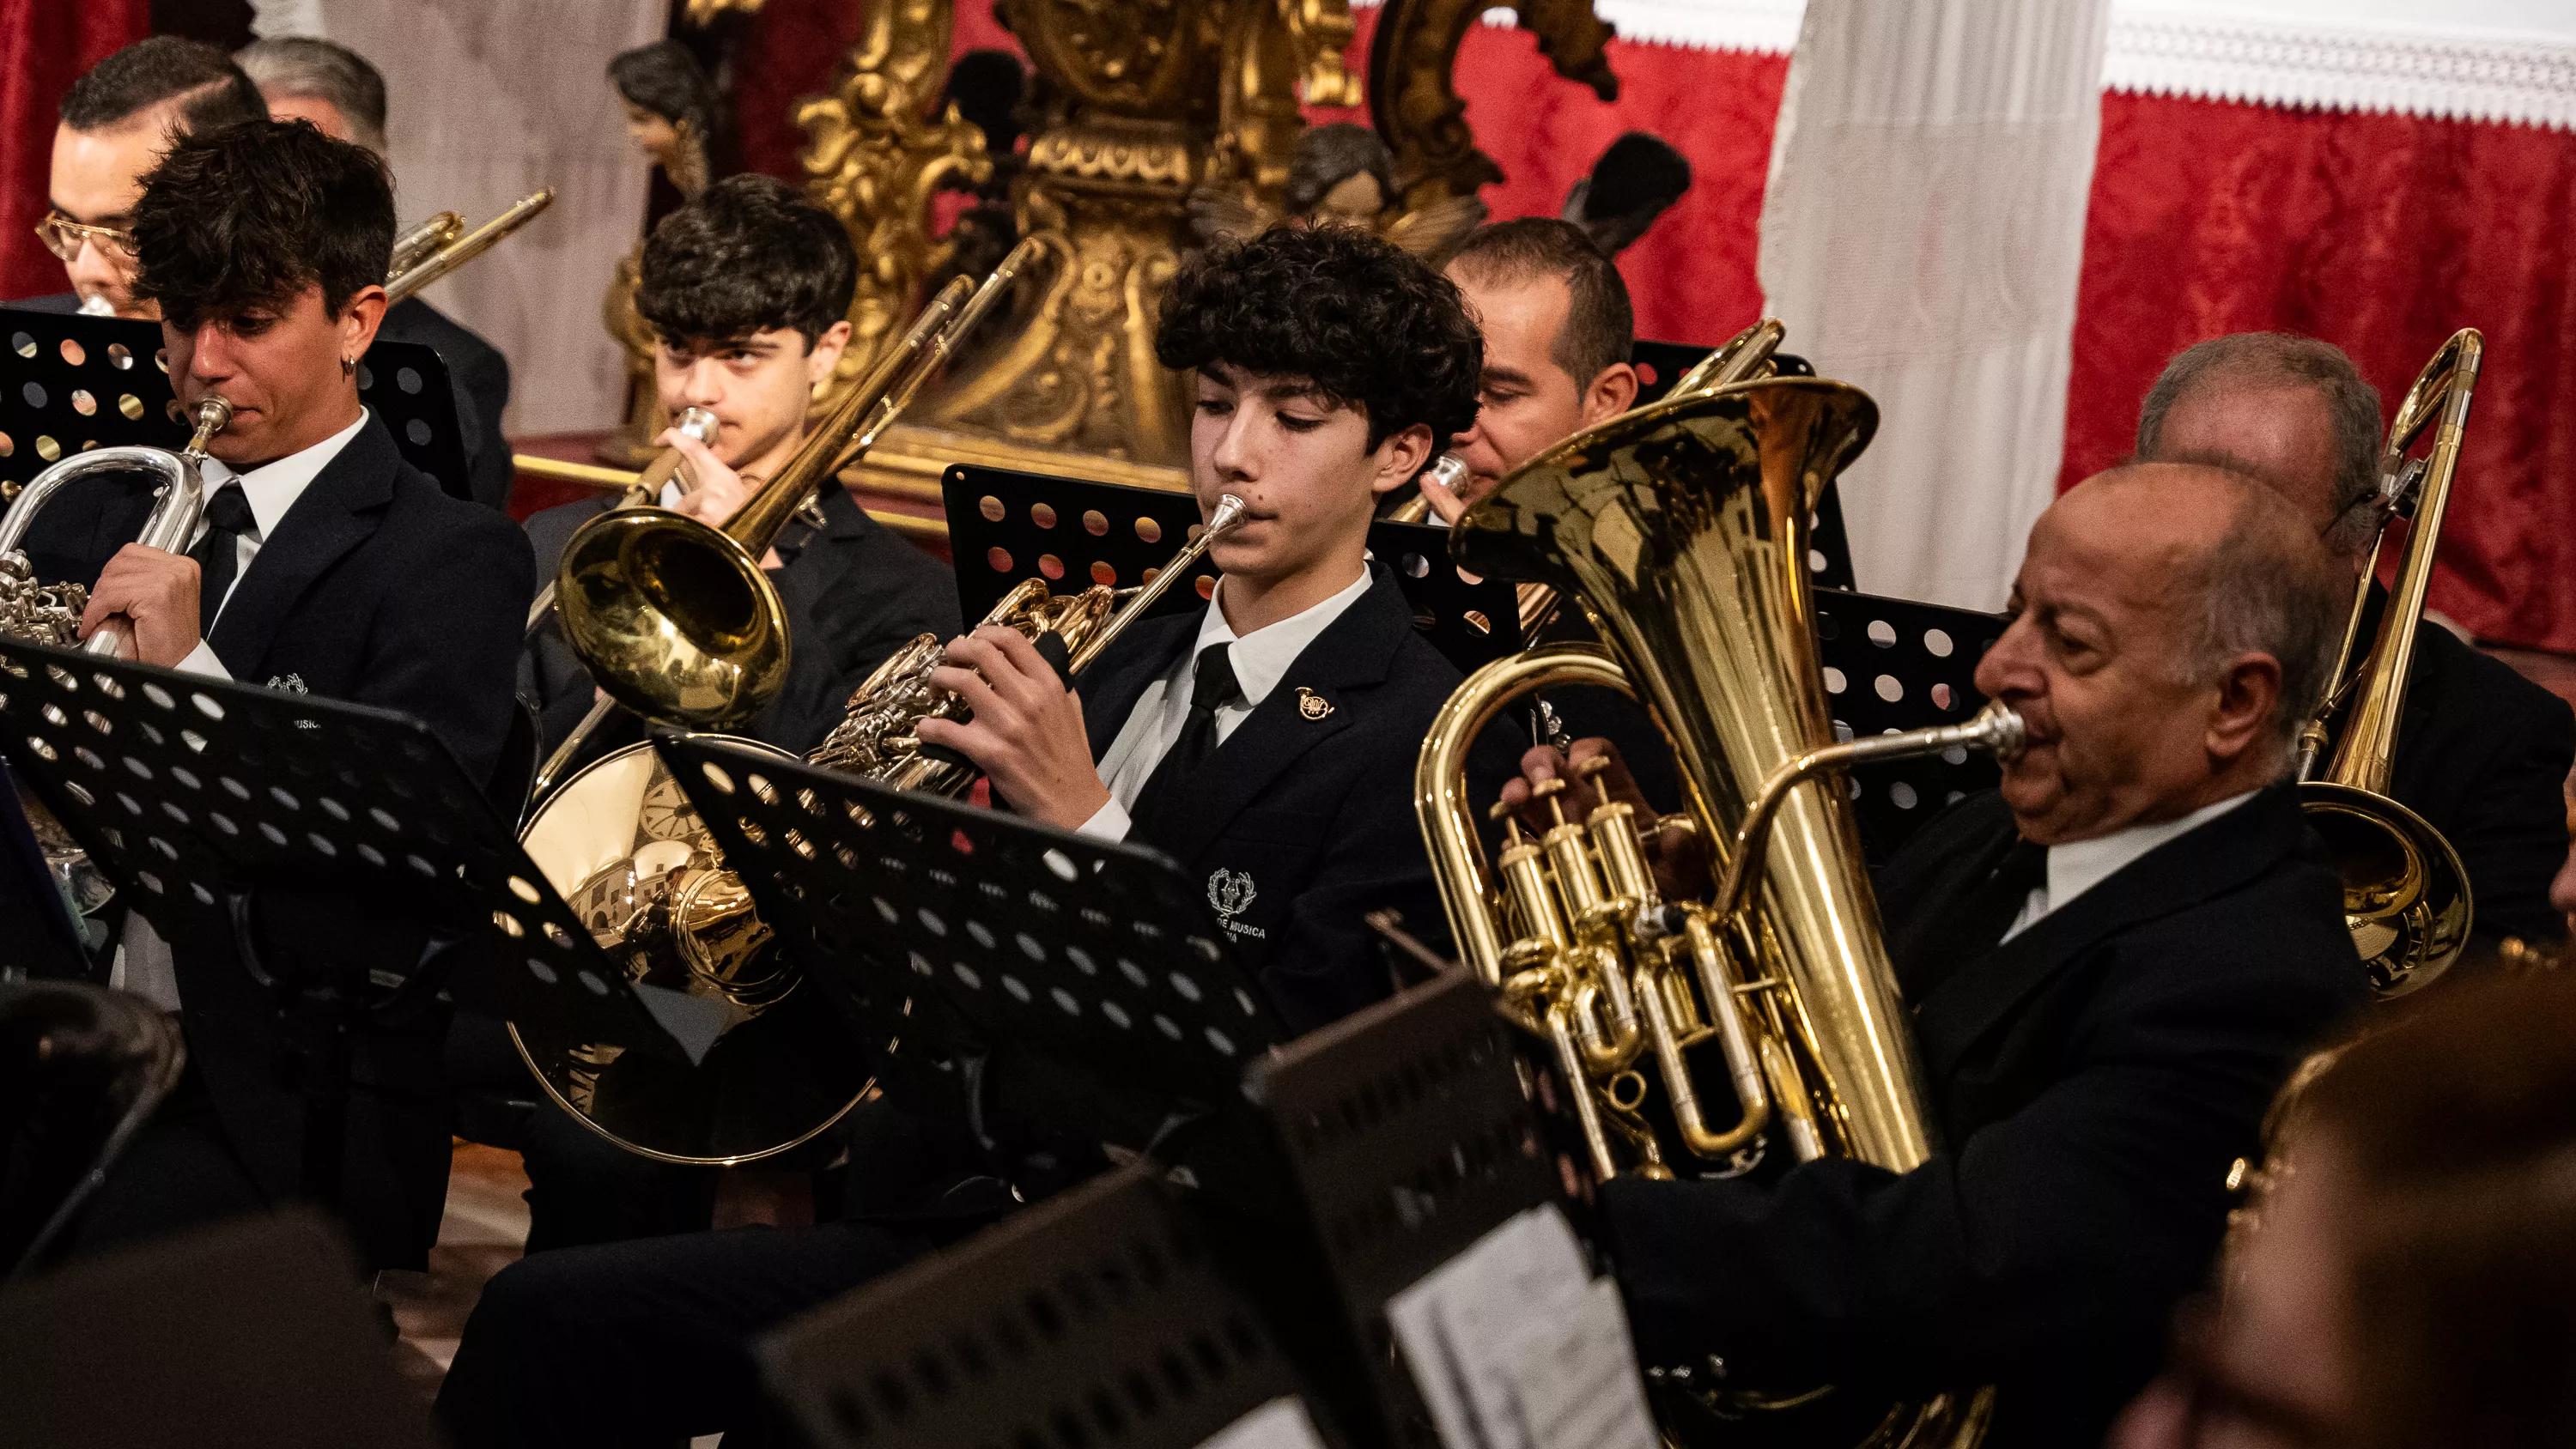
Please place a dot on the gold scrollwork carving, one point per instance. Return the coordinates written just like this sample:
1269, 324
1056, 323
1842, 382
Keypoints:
1415, 104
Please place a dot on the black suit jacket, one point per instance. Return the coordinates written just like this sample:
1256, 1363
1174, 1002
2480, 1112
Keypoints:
2482, 755
480, 377
379, 589
855, 592
1305, 812
2093, 1078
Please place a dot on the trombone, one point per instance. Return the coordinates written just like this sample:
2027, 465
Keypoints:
441, 244
2406, 896
674, 618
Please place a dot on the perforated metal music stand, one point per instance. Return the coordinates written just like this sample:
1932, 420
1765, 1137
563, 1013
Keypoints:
1406, 1134
1090, 952
1005, 526
1896, 664
1098, 1318
70, 383
197, 795
1661, 364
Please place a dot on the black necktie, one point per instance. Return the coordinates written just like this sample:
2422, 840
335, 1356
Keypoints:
218, 554
1976, 921
1213, 688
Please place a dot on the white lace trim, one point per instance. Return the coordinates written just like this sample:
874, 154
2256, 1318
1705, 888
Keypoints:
2160, 49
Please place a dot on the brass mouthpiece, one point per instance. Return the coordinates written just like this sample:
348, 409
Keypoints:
214, 414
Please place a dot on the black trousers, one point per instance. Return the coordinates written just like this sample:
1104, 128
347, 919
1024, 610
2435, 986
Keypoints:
584, 1189
646, 1342
178, 1172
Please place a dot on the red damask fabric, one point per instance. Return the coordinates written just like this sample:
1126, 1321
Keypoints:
2381, 234
44, 44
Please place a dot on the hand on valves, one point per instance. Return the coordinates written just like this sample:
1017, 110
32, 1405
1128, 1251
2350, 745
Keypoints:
1027, 733
1589, 774
152, 597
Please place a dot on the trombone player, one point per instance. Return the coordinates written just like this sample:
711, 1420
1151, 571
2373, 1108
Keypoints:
2480, 750
2112, 963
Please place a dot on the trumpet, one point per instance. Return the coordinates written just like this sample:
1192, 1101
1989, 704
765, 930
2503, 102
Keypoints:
441, 244
1681, 527
2406, 896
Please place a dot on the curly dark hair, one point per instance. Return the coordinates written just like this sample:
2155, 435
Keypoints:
1364, 321
251, 215
748, 254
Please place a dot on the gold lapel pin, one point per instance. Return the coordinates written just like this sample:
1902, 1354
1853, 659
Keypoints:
1313, 705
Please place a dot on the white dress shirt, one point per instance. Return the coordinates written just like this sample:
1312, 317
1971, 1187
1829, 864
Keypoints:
271, 489
143, 965
1260, 659
2079, 866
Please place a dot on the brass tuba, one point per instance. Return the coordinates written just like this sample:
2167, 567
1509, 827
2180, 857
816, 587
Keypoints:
1682, 528
2406, 896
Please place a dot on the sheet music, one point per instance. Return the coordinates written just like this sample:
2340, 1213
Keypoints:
1280, 1424
1514, 1345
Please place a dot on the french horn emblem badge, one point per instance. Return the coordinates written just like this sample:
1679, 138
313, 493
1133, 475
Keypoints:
1313, 705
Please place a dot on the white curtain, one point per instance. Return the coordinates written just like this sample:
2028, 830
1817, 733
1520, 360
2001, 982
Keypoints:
1921, 237
489, 100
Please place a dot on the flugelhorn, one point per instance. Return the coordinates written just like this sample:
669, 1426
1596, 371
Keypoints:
440, 245
1682, 527
51, 613
2406, 896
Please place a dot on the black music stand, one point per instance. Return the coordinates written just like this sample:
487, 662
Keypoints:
197, 796
1406, 1134
70, 383
1661, 364
1895, 664
1005, 525
35, 918
1099, 1318
1093, 957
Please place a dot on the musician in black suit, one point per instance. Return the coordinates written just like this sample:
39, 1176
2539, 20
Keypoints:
2113, 962
1328, 365
2480, 749
748, 286
304, 78
326, 565
1266, 742
115, 121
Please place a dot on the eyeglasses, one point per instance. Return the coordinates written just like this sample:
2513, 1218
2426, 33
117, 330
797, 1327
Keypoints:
65, 237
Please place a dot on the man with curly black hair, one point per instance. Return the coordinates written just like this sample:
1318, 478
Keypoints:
323, 564
1266, 742
1328, 368
748, 287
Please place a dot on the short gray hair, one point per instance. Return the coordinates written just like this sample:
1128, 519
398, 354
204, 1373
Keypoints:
2268, 586
2277, 359
301, 65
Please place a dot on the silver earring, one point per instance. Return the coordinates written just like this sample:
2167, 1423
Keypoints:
348, 366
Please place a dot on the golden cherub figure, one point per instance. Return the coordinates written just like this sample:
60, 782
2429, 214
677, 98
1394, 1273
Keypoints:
1342, 175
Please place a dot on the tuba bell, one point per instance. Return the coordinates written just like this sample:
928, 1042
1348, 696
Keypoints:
1681, 528
2406, 895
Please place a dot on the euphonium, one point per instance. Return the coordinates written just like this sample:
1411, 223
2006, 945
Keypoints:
51, 613
1682, 529
1745, 356
2406, 896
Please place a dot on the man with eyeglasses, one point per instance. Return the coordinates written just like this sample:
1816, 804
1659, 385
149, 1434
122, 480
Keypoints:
116, 121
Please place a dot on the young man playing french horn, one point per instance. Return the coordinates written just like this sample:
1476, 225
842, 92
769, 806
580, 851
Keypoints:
1266, 743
